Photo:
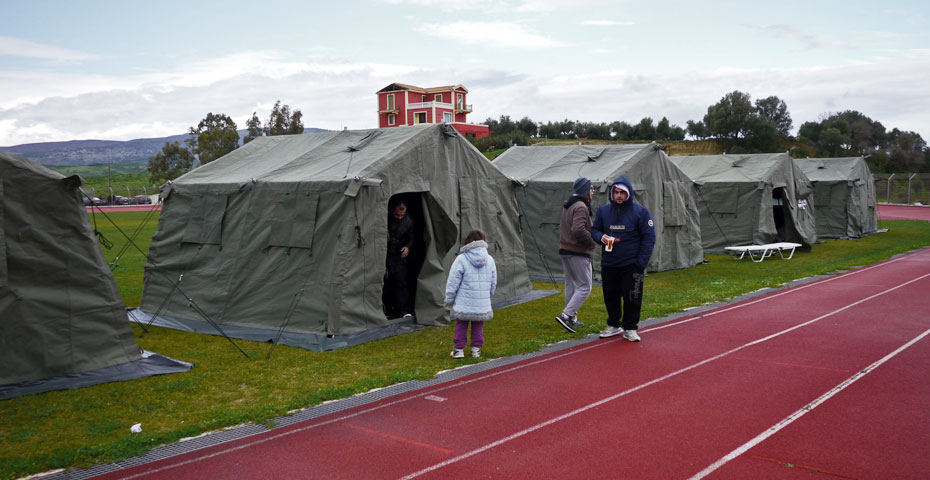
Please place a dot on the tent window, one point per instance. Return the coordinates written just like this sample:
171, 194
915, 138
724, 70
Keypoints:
673, 204
205, 224
293, 220
3, 272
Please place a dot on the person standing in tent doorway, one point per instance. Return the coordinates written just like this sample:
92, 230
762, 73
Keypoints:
576, 247
400, 242
471, 284
627, 235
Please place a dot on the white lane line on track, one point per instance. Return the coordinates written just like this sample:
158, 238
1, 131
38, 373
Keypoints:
644, 385
490, 375
807, 408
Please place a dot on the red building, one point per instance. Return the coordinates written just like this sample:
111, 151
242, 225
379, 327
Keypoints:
400, 104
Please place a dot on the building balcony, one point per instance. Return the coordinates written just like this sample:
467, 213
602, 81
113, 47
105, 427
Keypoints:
411, 106
460, 108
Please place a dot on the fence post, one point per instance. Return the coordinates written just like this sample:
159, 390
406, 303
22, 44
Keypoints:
909, 188
888, 193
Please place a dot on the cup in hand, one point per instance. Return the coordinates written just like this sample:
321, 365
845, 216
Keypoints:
610, 244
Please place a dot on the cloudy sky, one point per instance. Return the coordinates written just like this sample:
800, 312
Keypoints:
120, 70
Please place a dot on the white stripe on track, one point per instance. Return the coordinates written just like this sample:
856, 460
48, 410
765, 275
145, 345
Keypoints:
496, 373
644, 385
807, 408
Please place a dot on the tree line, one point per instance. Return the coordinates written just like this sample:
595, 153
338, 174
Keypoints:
216, 135
740, 125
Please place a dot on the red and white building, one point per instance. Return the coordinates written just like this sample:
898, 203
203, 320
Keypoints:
400, 104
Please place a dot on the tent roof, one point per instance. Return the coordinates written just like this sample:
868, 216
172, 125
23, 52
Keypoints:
832, 169
325, 156
556, 164
731, 168
11, 160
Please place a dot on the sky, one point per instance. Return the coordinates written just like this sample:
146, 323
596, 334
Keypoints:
121, 70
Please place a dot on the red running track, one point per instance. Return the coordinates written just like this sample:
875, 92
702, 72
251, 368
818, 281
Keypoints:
903, 212
824, 379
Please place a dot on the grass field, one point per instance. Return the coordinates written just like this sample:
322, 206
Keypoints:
81, 427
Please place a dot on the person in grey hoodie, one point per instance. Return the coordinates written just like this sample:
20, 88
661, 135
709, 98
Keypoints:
471, 284
627, 229
576, 247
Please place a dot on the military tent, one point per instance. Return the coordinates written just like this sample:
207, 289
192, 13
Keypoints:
285, 238
844, 193
751, 199
62, 320
547, 174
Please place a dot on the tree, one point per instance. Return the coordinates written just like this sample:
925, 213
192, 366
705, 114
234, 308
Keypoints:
171, 162
810, 131
283, 122
644, 130
697, 129
775, 111
729, 117
255, 129
528, 126
621, 130
215, 136
663, 129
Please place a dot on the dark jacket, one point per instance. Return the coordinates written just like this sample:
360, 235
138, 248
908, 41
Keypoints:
400, 235
632, 226
575, 228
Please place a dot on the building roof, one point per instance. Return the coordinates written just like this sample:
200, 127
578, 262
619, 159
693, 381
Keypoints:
402, 86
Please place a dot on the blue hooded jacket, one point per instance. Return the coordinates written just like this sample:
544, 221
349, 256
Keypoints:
631, 224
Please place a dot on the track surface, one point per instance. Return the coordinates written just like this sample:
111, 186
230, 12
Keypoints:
903, 212
823, 380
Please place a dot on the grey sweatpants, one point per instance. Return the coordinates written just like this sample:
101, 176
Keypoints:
577, 282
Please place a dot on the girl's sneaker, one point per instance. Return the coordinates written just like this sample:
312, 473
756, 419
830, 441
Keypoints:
476, 352
458, 353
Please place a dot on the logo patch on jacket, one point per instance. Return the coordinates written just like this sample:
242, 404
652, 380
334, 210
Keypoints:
650, 222
618, 227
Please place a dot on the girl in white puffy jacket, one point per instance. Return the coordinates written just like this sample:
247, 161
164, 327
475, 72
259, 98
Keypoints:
471, 284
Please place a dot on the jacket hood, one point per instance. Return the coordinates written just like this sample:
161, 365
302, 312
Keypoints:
574, 199
620, 181
476, 253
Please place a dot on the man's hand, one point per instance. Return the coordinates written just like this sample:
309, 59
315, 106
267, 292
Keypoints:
404, 252
604, 239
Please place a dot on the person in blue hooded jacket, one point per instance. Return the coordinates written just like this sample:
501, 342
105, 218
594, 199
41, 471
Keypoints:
628, 226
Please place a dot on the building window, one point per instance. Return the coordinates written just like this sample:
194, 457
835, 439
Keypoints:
390, 102
391, 119
446, 117
460, 101
421, 117
424, 99
437, 97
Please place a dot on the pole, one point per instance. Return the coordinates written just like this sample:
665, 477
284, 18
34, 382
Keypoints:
909, 188
888, 193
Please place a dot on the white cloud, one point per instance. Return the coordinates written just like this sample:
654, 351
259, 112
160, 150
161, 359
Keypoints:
810, 41
334, 94
18, 47
605, 23
504, 34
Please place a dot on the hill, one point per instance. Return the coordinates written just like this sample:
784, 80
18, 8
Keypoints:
96, 152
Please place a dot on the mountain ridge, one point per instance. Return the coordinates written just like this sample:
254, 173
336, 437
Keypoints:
95, 152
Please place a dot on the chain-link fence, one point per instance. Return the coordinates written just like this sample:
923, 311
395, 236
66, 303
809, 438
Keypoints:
902, 188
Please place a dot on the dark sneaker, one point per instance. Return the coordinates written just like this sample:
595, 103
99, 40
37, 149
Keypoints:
631, 335
576, 324
565, 321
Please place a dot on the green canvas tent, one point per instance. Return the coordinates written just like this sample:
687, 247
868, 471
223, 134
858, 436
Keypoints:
285, 238
62, 320
547, 174
845, 196
751, 199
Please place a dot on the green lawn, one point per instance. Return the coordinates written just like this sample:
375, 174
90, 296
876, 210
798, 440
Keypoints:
90, 425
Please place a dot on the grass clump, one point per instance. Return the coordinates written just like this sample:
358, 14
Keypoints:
91, 425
